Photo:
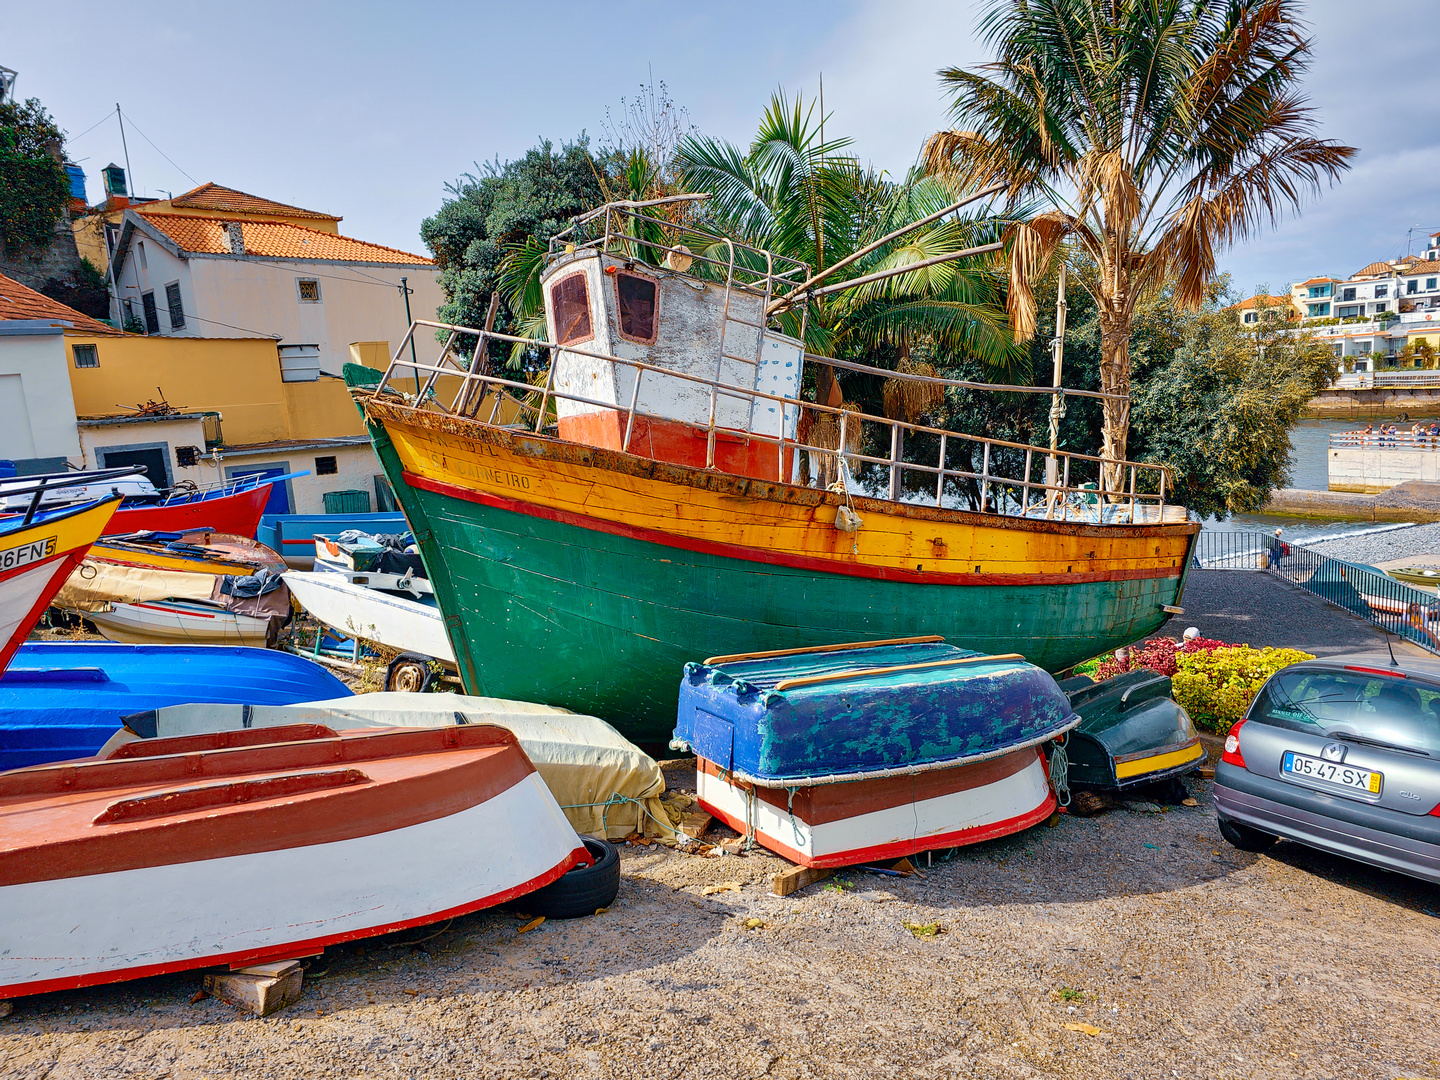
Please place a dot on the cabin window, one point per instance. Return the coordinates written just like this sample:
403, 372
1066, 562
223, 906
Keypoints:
570, 301
637, 300
86, 355
326, 466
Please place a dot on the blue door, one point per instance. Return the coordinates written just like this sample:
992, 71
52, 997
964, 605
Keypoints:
279, 501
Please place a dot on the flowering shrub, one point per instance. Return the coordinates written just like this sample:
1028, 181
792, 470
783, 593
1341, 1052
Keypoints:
1157, 654
1215, 686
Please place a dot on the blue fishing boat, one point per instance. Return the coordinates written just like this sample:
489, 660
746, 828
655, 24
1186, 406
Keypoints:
293, 535
850, 753
63, 700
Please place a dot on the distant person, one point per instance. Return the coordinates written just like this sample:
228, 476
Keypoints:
1419, 621
1278, 549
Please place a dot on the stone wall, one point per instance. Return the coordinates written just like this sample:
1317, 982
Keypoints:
1369, 404
58, 262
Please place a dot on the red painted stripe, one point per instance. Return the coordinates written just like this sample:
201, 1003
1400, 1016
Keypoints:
775, 558
52, 831
238, 514
899, 848
818, 804
174, 610
287, 950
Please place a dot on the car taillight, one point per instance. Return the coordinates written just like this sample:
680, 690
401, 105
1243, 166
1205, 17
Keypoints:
1435, 812
1232, 755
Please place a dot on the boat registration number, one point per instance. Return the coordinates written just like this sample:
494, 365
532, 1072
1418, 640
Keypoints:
37, 551
1305, 768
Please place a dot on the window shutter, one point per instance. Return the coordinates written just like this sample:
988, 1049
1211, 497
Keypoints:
177, 312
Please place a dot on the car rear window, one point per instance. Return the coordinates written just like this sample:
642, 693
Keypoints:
1398, 712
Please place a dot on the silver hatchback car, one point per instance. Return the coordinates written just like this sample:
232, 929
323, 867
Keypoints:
1342, 754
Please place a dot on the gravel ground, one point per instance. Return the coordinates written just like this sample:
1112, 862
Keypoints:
1172, 954
1409, 542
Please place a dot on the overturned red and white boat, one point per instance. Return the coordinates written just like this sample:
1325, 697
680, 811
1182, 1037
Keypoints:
846, 754
246, 846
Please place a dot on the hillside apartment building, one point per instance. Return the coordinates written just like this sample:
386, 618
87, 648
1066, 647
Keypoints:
1380, 308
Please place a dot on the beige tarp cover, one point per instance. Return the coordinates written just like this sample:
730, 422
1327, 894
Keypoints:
94, 586
582, 759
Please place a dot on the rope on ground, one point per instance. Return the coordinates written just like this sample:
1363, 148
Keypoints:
1060, 774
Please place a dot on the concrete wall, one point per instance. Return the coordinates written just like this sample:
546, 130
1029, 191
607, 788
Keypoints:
1369, 469
236, 377
167, 434
357, 466
1358, 404
37, 410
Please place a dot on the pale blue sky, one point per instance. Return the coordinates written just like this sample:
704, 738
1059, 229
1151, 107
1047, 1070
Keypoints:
366, 109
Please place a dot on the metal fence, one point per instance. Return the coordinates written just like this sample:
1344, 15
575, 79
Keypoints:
1405, 610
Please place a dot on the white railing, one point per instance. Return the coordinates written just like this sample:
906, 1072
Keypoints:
1011, 479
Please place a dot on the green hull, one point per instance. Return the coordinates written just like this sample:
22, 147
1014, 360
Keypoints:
546, 611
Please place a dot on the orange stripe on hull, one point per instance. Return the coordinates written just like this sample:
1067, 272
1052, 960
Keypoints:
678, 444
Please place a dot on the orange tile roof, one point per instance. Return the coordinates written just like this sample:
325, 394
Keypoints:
1431, 267
213, 196
1255, 301
276, 240
1373, 269
1317, 281
20, 302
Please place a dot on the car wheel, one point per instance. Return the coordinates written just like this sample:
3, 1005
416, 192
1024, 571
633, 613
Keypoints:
409, 673
1244, 837
581, 891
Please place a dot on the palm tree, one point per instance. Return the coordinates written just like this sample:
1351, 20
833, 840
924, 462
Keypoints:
796, 193
1157, 131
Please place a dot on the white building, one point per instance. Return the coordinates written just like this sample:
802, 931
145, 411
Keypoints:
224, 262
37, 407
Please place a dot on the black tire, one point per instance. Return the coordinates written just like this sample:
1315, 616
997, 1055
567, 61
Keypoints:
1245, 837
410, 672
582, 891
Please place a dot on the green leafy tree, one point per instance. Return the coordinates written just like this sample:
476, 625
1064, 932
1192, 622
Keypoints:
1157, 131
1220, 410
501, 208
34, 190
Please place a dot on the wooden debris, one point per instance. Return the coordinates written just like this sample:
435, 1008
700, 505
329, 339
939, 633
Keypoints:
733, 847
261, 989
904, 866
531, 925
694, 823
1206, 772
726, 886
796, 878
1088, 1029
1189, 802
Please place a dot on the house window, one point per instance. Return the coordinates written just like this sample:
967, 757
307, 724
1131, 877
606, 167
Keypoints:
309, 289
1381, 307
152, 317
1317, 310
1349, 295
1381, 290
86, 355
1249, 316
1411, 286
570, 302
172, 300
326, 466
140, 247
187, 457
637, 296
1429, 283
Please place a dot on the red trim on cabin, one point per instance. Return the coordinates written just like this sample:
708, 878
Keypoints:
819, 804
54, 813
306, 947
775, 558
659, 439
899, 848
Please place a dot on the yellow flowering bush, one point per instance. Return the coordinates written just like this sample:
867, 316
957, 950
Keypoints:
1216, 687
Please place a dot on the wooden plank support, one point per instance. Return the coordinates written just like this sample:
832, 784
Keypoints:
262, 989
796, 878
694, 823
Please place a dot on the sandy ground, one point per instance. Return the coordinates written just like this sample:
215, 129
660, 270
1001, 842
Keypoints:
1172, 954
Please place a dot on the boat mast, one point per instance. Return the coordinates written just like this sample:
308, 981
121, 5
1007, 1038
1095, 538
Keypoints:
1057, 400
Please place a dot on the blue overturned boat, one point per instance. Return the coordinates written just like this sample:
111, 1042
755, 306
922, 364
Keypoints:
851, 753
63, 700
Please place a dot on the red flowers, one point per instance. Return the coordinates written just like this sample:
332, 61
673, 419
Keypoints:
1157, 654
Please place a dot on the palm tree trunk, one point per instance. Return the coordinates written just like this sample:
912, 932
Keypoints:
1114, 379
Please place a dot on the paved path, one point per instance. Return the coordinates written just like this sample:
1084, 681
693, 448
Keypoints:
1254, 608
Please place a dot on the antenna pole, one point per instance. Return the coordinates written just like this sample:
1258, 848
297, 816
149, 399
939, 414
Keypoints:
129, 173
405, 291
